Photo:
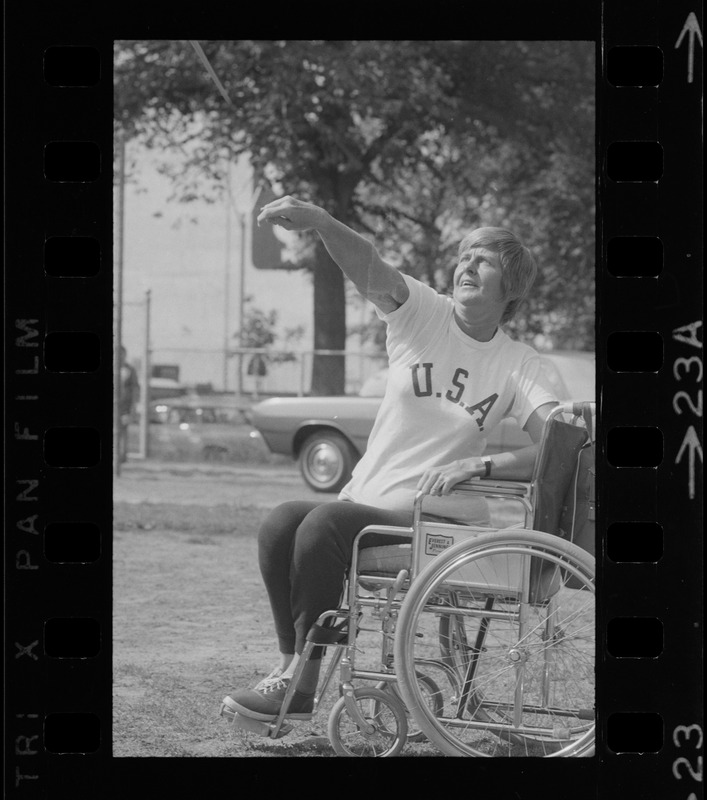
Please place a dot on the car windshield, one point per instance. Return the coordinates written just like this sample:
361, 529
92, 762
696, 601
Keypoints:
180, 415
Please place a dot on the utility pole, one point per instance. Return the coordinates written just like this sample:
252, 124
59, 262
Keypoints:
145, 381
242, 217
227, 281
118, 303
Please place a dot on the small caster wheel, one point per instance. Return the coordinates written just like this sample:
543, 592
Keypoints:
382, 711
433, 698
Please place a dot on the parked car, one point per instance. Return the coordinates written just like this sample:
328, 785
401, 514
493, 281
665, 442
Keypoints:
162, 388
328, 435
206, 428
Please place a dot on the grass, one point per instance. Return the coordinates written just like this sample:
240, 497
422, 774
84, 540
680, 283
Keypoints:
203, 521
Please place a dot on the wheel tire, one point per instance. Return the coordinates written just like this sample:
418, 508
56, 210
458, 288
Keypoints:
557, 658
382, 709
326, 460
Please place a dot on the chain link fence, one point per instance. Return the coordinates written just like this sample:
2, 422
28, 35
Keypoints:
185, 391
262, 372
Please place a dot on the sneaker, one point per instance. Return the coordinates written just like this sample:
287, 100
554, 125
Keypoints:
265, 703
265, 681
230, 713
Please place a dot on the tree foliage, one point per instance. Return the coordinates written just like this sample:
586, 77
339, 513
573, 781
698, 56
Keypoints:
260, 331
413, 143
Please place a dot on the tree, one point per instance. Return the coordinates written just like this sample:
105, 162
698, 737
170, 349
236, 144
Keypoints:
402, 139
260, 331
530, 167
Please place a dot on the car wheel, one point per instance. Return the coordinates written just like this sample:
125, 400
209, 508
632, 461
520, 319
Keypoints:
326, 460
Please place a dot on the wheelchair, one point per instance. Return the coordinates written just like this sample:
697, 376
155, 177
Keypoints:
483, 639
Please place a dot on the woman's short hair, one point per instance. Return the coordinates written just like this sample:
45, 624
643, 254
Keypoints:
517, 262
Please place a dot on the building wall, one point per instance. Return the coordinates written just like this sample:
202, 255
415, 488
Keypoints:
179, 252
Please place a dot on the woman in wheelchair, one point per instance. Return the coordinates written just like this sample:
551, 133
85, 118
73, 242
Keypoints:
453, 375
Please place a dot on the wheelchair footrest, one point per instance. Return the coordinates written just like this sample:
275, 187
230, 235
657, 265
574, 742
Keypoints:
256, 726
318, 634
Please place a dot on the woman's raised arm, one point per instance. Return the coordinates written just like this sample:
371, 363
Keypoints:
357, 258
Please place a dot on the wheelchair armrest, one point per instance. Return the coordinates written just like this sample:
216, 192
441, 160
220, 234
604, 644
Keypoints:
484, 487
492, 488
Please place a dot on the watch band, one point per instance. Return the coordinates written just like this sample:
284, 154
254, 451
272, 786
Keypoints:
487, 465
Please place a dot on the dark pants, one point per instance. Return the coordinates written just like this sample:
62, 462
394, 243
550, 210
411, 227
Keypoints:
305, 551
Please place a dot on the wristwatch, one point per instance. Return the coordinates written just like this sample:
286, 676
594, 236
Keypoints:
487, 465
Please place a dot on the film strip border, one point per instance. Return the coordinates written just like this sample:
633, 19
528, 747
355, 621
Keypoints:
59, 425
650, 363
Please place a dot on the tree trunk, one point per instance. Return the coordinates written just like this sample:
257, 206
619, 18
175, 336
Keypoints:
328, 372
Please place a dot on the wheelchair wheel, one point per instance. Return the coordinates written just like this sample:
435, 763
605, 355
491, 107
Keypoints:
512, 613
383, 710
432, 695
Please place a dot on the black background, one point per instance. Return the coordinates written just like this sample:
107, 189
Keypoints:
75, 696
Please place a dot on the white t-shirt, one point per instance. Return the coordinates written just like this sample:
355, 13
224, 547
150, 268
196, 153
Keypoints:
445, 392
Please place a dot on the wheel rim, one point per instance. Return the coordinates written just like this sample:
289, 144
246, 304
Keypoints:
515, 705
324, 464
379, 708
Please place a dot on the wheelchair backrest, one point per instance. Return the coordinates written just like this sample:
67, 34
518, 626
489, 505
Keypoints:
563, 482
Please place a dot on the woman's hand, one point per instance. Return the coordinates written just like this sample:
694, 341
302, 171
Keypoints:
293, 214
441, 480
512, 466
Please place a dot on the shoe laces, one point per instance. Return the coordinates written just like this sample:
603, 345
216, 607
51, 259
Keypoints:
263, 681
273, 684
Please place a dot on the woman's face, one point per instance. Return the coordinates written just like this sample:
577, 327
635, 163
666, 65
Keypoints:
477, 279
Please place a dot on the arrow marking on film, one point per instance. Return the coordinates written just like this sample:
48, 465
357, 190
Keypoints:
692, 29
692, 443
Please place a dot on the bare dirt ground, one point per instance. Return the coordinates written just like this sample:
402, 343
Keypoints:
191, 617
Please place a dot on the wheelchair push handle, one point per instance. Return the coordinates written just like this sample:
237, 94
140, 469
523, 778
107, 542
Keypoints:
584, 410
576, 409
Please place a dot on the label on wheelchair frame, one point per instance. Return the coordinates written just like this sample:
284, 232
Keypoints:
435, 544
